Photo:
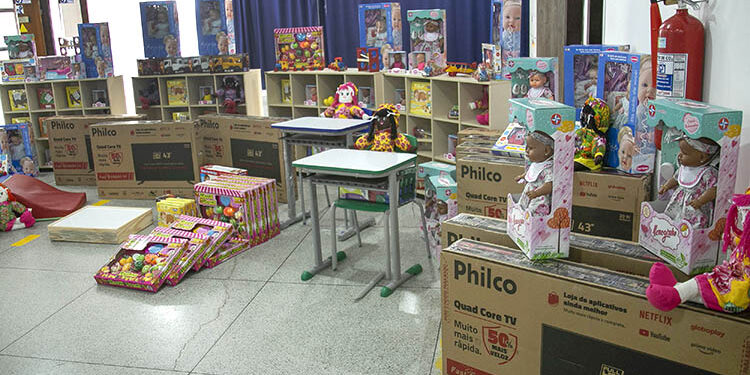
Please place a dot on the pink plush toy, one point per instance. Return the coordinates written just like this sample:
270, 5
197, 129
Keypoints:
345, 103
13, 215
484, 117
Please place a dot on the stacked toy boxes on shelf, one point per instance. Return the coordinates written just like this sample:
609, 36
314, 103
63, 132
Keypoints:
195, 64
582, 72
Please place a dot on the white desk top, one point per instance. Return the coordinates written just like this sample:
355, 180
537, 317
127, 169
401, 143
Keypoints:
322, 125
355, 162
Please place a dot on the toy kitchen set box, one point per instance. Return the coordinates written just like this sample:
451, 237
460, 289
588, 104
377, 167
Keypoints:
144, 159
245, 142
70, 146
505, 314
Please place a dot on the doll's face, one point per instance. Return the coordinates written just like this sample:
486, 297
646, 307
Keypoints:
396, 20
646, 88
537, 80
4, 144
420, 58
3, 195
592, 73
442, 208
229, 10
625, 153
346, 95
162, 17
28, 167
431, 27
380, 25
512, 17
15, 140
170, 45
223, 44
690, 157
536, 151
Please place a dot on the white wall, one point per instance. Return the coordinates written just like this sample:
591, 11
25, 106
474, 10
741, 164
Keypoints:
124, 18
726, 74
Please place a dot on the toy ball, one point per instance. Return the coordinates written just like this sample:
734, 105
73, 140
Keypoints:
294, 45
298, 52
307, 53
145, 268
138, 265
304, 44
314, 45
153, 249
225, 201
229, 211
291, 56
150, 258
138, 257
300, 36
309, 35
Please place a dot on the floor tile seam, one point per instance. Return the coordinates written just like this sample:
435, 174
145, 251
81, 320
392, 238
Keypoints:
434, 352
45, 270
89, 363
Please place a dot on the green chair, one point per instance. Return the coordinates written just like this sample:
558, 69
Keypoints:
407, 180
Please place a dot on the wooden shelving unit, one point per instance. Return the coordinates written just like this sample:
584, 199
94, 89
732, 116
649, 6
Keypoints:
113, 86
193, 81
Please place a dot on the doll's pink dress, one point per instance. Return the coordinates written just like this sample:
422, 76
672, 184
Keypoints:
537, 175
693, 182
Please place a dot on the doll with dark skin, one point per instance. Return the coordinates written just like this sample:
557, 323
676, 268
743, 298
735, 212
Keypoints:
384, 134
537, 194
695, 181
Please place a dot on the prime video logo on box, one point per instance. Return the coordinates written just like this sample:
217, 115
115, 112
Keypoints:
103, 132
483, 277
480, 173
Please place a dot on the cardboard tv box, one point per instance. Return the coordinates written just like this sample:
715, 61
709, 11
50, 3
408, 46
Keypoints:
504, 314
70, 146
484, 182
246, 142
144, 159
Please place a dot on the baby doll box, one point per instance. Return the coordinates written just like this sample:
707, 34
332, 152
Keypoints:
380, 25
17, 140
541, 237
217, 231
161, 31
435, 43
215, 27
433, 168
445, 190
96, 50
692, 251
579, 61
143, 262
623, 78
20, 46
520, 68
197, 246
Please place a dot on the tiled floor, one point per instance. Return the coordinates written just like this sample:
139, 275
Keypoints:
251, 315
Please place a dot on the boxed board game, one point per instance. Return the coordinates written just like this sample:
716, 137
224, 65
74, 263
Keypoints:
161, 31
45, 97
144, 159
299, 48
73, 96
215, 25
176, 92
421, 98
18, 100
96, 50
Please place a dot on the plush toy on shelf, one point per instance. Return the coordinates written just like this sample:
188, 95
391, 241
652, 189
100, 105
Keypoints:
149, 95
345, 103
384, 135
591, 139
230, 93
13, 215
483, 104
727, 287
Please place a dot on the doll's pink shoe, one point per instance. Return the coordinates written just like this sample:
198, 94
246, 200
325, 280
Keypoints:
664, 298
27, 219
660, 274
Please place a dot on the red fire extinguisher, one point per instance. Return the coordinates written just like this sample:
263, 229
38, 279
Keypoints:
679, 43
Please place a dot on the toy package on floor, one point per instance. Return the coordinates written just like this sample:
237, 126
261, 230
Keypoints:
582, 72
211, 171
433, 168
20, 46
534, 77
624, 82
46, 99
380, 26
299, 48
196, 246
440, 205
507, 28
539, 218
421, 99
142, 263
228, 249
169, 209
217, 231
17, 141
60, 67
427, 34
161, 31
19, 70
701, 142
215, 25
17, 99
73, 93
96, 50
269, 195
176, 92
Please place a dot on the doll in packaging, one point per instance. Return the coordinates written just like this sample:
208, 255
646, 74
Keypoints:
345, 103
695, 182
538, 86
537, 194
384, 135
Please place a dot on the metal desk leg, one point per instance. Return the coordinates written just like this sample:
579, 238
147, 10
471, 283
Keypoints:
348, 230
291, 202
319, 263
398, 278
301, 189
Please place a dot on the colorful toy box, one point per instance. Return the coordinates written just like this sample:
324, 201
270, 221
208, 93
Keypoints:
512, 142
45, 97
60, 67
17, 141
547, 236
218, 232
176, 92
624, 82
269, 207
143, 262
161, 32
19, 70
380, 26
215, 25
299, 48
20, 46
228, 249
18, 100
96, 50
441, 204
534, 77
197, 245
169, 209
582, 72
73, 95
427, 30
433, 168
211, 171
692, 250
421, 99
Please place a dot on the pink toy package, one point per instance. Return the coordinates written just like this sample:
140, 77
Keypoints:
211, 171
143, 262
539, 218
271, 205
197, 245
217, 231
232, 247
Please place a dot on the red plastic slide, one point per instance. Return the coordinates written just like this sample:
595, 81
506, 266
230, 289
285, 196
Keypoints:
44, 200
